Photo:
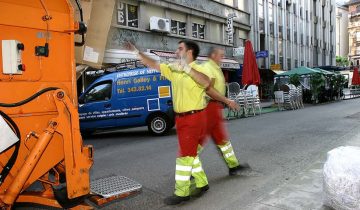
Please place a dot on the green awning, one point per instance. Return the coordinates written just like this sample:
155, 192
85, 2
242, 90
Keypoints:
324, 71
300, 71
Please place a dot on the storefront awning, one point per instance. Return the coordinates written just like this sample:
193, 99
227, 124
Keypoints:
225, 63
122, 56
278, 71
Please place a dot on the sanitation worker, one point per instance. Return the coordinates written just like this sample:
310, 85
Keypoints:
215, 124
189, 88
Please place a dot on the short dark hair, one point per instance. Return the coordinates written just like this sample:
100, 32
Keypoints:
190, 45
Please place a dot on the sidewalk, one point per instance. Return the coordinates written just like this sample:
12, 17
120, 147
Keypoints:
304, 192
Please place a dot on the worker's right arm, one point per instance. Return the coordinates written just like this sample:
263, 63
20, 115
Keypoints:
165, 69
146, 60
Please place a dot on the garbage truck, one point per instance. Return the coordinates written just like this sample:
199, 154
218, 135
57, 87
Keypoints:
42, 156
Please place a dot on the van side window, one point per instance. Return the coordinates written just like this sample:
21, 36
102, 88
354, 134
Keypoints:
100, 92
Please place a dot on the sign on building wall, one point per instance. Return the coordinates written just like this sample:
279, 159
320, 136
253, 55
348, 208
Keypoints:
127, 15
133, 20
230, 28
262, 54
239, 51
275, 66
122, 14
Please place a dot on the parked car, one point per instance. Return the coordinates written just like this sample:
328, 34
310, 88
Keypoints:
125, 99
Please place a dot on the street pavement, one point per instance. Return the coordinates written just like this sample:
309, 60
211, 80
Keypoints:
285, 149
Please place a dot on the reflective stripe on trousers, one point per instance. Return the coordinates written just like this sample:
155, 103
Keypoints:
229, 155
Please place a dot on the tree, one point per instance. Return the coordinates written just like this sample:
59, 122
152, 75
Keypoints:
342, 61
295, 79
317, 82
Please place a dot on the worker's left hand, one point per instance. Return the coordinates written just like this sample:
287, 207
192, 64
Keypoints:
233, 105
180, 66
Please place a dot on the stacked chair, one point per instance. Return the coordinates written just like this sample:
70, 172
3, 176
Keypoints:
293, 97
248, 100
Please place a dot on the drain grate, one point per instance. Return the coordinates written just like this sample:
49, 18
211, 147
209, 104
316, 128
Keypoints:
113, 186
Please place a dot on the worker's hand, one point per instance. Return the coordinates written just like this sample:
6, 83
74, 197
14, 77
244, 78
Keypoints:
233, 105
130, 47
175, 66
180, 66
185, 65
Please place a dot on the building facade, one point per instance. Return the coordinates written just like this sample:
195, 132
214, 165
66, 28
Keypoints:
156, 26
354, 31
342, 34
294, 32
204, 21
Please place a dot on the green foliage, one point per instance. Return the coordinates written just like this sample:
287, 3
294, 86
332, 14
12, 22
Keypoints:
342, 61
295, 79
317, 83
337, 83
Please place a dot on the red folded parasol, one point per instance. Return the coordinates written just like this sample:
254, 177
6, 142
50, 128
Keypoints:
356, 77
250, 74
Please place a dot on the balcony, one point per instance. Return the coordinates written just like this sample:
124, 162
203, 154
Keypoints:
354, 14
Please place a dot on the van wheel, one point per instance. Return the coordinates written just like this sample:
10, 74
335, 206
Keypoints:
159, 124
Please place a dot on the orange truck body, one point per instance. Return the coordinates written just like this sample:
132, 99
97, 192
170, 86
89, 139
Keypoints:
50, 144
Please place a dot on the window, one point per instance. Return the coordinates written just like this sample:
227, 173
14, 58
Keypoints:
261, 26
198, 31
100, 92
271, 45
271, 12
261, 8
288, 63
279, 16
272, 59
295, 37
280, 32
358, 8
178, 27
302, 39
357, 36
294, 7
307, 41
127, 15
272, 29
288, 34
307, 15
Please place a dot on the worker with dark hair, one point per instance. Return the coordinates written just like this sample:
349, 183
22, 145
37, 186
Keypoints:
189, 88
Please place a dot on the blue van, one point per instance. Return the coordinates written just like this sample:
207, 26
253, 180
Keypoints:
125, 99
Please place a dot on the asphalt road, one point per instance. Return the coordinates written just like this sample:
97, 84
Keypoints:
277, 145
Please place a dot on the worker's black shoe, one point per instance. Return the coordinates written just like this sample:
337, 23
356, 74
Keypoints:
174, 199
238, 169
197, 192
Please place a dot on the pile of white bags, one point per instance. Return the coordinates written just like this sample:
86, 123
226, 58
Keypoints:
342, 178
